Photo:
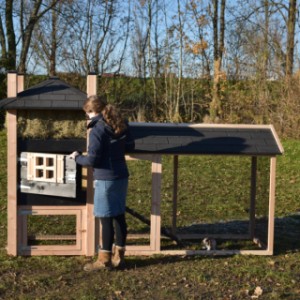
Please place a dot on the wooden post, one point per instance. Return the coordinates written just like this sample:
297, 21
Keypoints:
155, 203
20, 83
90, 230
11, 123
253, 196
271, 205
175, 189
11, 119
91, 85
12, 84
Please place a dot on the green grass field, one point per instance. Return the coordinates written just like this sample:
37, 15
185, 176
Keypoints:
211, 190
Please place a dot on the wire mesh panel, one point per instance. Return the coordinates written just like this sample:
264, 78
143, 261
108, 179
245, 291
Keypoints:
49, 230
214, 200
139, 202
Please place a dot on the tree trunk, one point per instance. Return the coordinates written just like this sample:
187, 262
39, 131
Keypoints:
291, 37
266, 41
27, 34
11, 38
177, 117
215, 106
2, 44
52, 69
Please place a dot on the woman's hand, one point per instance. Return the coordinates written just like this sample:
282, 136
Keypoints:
74, 154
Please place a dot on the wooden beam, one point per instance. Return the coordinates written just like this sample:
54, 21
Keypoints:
12, 223
155, 203
12, 84
52, 237
20, 83
175, 191
91, 226
253, 195
271, 204
91, 86
140, 251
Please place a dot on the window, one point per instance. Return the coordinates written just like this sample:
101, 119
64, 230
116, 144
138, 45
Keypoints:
45, 167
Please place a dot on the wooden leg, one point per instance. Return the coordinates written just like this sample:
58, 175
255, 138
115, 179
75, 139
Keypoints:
253, 196
155, 203
271, 205
12, 183
175, 189
90, 243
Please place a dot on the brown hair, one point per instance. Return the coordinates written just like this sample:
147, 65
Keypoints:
111, 114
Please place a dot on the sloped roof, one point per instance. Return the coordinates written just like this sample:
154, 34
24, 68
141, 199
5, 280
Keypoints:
53, 94
180, 139
256, 140
162, 138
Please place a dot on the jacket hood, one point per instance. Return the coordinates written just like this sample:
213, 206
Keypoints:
107, 128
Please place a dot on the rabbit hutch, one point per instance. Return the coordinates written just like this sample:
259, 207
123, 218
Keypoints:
46, 122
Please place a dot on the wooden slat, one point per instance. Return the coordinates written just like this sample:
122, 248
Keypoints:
50, 250
20, 82
11, 123
155, 203
12, 225
90, 220
140, 251
40, 237
271, 204
91, 85
148, 157
252, 195
225, 236
12, 84
175, 191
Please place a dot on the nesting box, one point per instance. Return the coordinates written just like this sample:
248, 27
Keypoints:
49, 174
45, 123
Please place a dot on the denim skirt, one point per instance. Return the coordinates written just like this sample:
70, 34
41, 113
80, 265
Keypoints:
110, 197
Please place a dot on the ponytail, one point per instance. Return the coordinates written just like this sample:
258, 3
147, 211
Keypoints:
113, 117
111, 114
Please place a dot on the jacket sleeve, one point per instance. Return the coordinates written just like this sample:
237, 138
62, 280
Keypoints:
94, 150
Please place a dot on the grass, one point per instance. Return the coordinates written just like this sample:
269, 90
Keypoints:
209, 191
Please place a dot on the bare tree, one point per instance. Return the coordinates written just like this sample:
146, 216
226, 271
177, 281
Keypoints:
180, 30
8, 34
9, 52
49, 38
218, 36
290, 49
96, 36
167, 51
199, 48
154, 52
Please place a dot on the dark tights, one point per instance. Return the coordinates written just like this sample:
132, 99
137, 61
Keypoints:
110, 226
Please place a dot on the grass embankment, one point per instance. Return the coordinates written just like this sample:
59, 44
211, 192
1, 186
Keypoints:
210, 190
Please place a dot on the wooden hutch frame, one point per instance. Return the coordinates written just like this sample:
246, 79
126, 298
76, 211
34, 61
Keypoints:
87, 232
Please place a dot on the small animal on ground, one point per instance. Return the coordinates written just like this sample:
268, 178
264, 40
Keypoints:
209, 244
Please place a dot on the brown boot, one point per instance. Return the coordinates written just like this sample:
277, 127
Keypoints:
103, 262
117, 260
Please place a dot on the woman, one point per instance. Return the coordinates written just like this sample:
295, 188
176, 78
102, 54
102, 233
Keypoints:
109, 139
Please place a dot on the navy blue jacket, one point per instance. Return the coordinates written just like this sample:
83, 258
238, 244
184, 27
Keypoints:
106, 151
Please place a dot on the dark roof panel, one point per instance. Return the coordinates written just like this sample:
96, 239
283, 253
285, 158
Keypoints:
164, 138
53, 94
182, 140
